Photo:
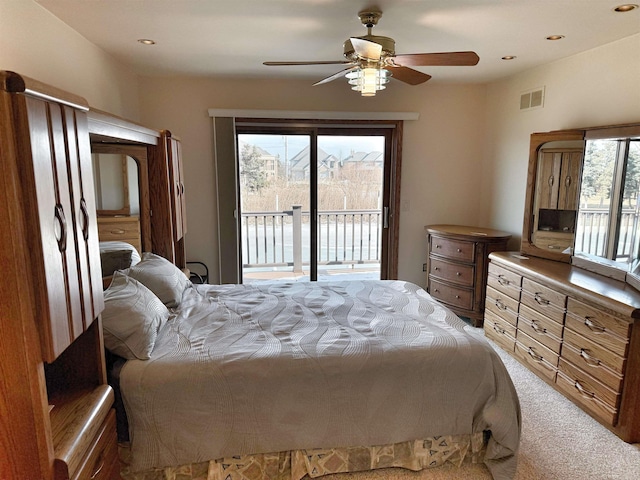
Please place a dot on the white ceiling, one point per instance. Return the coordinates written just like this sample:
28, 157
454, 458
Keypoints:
231, 38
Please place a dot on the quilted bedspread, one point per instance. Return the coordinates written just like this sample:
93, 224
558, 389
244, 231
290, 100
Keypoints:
269, 367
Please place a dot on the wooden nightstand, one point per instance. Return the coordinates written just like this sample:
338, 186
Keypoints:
457, 266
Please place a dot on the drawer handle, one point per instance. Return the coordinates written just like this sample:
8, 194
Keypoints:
500, 305
60, 227
541, 301
437, 269
99, 468
584, 391
499, 330
593, 326
537, 327
458, 250
458, 274
457, 296
438, 246
534, 355
591, 361
118, 231
436, 290
84, 219
503, 281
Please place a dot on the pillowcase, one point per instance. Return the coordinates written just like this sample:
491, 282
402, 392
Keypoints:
114, 260
132, 318
161, 277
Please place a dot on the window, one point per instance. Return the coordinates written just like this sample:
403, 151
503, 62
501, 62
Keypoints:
608, 217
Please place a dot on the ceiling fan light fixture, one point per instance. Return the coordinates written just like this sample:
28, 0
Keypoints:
555, 37
368, 80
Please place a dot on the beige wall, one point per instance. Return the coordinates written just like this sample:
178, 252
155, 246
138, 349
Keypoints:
597, 87
36, 44
464, 161
442, 153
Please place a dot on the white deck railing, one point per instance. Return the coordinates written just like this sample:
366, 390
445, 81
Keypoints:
280, 239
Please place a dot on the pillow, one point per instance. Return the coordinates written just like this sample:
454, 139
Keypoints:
161, 277
111, 245
132, 318
114, 260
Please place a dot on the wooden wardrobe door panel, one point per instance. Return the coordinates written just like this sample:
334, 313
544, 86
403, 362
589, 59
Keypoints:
178, 182
64, 247
86, 223
54, 220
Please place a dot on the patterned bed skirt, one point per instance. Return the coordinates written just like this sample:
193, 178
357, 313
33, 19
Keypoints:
294, 465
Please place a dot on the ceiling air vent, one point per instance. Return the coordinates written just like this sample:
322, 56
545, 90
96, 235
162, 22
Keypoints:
532, 99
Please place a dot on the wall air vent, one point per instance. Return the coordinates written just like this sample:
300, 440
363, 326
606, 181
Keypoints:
532, 99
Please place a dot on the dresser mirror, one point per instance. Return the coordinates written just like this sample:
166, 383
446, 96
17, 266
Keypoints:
583, 200
115, 178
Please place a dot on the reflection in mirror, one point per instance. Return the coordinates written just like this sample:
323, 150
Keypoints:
116, 184
608, 216
556, 199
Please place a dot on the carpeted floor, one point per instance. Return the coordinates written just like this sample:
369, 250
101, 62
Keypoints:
559, 441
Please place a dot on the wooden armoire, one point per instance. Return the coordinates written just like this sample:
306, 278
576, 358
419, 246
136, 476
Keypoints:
56, 415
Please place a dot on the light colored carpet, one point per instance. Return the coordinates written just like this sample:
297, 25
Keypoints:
559, 441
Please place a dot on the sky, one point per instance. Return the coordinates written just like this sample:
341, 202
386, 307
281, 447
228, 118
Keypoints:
339, 146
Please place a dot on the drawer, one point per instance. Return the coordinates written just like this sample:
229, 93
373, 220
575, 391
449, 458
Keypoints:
589, 384
453, 272
586, 360
594, 353
586, 399
543, 299
454, 249
501, 332
502, 305
504, 281
536, 356
538, 332
117, 227
452, 295
101, 460
542, 321
598, 326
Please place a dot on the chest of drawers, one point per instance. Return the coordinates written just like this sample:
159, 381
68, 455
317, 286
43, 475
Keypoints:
578, 331
457, 266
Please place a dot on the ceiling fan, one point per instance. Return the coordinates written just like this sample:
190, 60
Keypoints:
372, 60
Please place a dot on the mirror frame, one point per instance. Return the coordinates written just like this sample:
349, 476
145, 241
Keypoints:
537, 141
629, 274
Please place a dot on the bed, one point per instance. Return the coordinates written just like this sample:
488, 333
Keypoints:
301, 378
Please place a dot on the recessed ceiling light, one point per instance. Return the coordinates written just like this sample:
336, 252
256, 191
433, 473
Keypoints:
625, 8
555, 37
146, 41
509, 57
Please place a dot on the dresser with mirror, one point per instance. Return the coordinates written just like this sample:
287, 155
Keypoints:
567, 305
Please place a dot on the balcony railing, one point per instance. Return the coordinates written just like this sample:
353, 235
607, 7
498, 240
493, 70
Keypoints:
592, 230
281, 239
351, 237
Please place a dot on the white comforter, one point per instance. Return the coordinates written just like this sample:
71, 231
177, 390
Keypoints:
259, 368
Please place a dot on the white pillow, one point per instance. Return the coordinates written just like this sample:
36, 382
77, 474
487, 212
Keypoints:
132, 318
161, 277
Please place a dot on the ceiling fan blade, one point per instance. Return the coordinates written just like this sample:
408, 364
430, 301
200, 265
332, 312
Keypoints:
339, 74
408, 75
437, 59
327, 62
366, 49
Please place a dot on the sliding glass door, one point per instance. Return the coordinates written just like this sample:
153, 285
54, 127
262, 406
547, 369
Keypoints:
313, 202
